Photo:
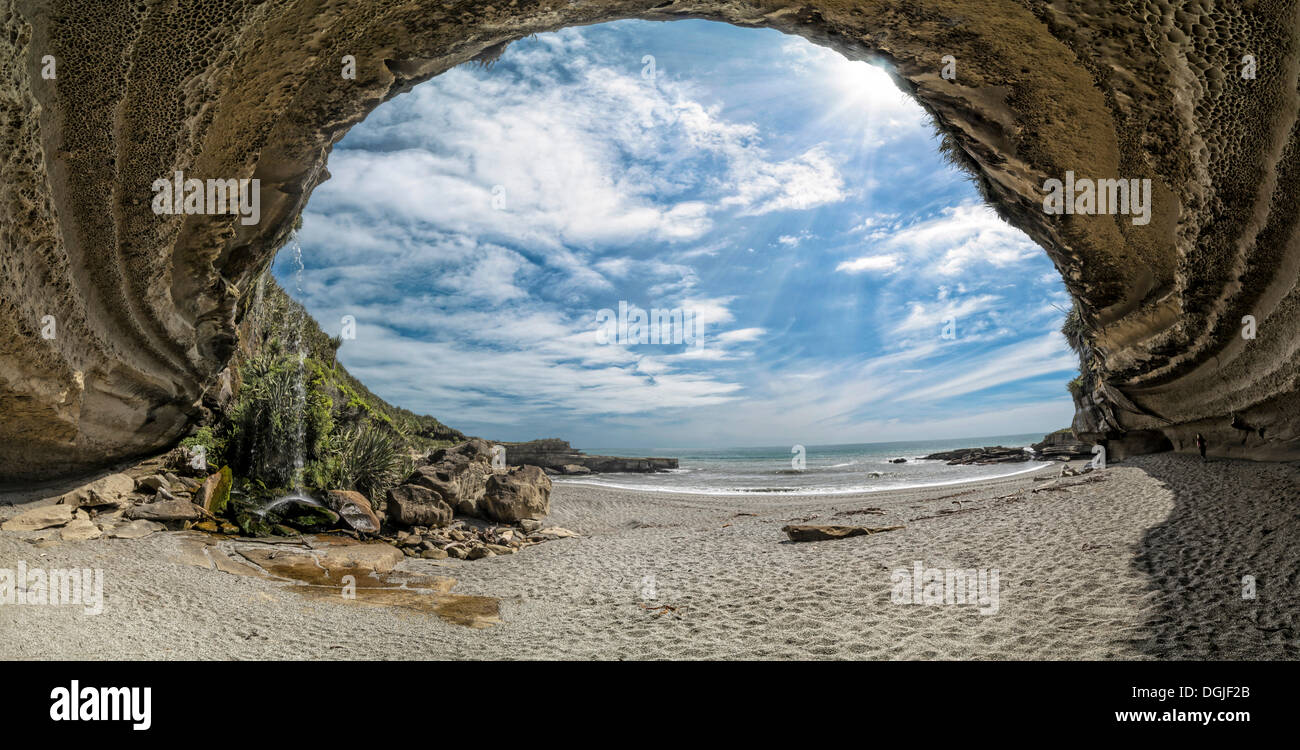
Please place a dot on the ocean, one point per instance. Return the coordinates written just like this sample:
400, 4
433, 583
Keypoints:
827, 469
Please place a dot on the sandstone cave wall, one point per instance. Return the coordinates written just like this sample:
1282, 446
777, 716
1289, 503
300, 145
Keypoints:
146, 306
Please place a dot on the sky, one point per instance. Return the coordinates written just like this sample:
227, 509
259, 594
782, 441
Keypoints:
847, 284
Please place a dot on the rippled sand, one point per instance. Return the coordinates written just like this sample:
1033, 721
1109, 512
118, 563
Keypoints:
1146, 561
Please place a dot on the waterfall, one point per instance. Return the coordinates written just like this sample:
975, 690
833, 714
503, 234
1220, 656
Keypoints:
298, 410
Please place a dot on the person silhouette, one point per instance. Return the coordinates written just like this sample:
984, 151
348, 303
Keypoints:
1200, 445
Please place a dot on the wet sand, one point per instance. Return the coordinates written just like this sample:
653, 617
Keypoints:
1142, 560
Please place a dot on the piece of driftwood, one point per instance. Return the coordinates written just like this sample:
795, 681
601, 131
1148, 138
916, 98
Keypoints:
827, 533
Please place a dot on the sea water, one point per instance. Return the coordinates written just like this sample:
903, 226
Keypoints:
825, 469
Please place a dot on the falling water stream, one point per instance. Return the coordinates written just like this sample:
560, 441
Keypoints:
298, 404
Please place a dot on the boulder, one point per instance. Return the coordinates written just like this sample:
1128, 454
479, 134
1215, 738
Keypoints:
113, 490
80, 529
153, 483
574, 469
45, 517
214, 493
458, 474
306, 514
168, 510
415, 505
827, 533
523, 492
355, 510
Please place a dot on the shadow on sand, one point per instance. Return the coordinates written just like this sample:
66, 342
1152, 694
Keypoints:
1231, 519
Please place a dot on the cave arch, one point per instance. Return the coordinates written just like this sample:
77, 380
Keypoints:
147, 305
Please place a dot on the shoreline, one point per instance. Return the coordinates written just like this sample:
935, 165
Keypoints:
1142, 560
812, 492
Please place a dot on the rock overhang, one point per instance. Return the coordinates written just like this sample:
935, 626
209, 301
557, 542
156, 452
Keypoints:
146, 306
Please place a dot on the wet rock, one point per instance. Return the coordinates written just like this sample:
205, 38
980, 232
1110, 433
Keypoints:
302, 513
380, 558
478, 553
522, 492
210, 527
412, 505
355, 510
433, 554
44, 517
458, 551
898, 460
253, 523
826, 533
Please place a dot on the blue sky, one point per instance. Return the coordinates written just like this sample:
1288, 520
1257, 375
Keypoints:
792, 200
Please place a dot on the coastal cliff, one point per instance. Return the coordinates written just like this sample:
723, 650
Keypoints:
116, 323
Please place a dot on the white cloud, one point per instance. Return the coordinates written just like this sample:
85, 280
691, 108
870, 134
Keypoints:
951, 243
473, 256
883, 263
740, 335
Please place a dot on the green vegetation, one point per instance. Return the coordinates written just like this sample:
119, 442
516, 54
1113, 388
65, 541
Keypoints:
348, 437
366, 459
1076, 336
264, 435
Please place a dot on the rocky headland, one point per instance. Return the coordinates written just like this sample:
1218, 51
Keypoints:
1061, 445
558, 457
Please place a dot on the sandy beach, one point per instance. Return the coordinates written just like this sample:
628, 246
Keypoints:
1143, 560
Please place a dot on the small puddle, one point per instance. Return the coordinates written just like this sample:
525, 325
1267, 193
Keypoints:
342, 570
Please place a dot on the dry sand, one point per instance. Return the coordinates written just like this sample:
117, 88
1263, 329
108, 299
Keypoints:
1145, 562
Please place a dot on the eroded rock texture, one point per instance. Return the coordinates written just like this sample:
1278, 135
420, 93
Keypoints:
146, 305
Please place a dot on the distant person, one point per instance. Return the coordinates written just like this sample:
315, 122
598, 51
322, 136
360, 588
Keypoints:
1200, 445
